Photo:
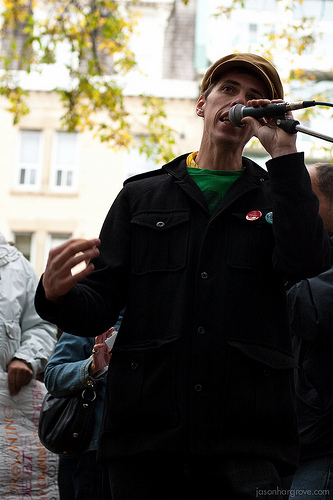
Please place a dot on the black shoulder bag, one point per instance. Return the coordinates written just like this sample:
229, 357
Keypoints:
66, 423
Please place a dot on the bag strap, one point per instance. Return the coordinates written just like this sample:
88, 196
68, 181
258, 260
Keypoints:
88, 395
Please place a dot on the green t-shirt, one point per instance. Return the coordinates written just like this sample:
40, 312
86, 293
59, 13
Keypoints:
214, 184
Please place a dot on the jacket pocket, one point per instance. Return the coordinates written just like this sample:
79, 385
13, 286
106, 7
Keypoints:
251, 242
142, 388
13, 330
265, 354
160, 241
262, 377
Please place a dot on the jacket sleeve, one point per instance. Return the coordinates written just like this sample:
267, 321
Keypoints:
310, 308
38, 337
94, 304
68, 369
303, 248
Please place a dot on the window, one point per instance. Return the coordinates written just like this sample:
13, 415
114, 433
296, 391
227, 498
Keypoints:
253, 33
29, 160
15, 43
136, 162
24, 243
64, 165
53, 240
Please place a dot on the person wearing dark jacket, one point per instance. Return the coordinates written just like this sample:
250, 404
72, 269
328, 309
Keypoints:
78, 363
200, 397
311, 317
75, 367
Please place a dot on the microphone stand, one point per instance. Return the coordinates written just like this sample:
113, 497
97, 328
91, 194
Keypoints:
293, 126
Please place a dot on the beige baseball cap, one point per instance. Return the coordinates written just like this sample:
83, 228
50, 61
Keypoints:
263, 68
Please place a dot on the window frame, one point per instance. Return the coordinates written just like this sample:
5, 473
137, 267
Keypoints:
50, 236
21, 165
63, 188
33, 249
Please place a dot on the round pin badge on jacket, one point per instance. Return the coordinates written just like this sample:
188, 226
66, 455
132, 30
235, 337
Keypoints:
269, 217
254, 215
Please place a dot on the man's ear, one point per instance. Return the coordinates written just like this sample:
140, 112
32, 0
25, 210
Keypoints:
200, 106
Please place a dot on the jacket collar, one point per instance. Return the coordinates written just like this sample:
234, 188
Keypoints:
177, 168
253, 176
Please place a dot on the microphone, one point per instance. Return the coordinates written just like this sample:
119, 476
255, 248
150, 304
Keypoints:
239, 111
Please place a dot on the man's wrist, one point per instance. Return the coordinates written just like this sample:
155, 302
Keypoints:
283, 152
29, 365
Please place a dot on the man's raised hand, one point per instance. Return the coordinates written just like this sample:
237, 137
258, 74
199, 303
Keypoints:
59, 278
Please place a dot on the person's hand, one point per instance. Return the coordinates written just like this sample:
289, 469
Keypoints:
58, 278
101, 353
276, 141
19, 374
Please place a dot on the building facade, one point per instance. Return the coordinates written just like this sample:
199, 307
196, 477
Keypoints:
56, 185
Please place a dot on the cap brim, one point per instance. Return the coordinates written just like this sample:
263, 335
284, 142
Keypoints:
224, 66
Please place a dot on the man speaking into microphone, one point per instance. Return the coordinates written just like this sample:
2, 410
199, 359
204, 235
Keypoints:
238, 111
200, 396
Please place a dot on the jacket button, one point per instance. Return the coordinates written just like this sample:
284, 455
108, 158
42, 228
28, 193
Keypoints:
134, 365
198, 387
160, 224
204, 275
201, 330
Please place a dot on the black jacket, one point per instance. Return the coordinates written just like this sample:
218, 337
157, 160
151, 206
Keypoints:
311, 317
203, 359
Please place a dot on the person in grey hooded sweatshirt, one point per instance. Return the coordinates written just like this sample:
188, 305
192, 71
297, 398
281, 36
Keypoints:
26, 341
